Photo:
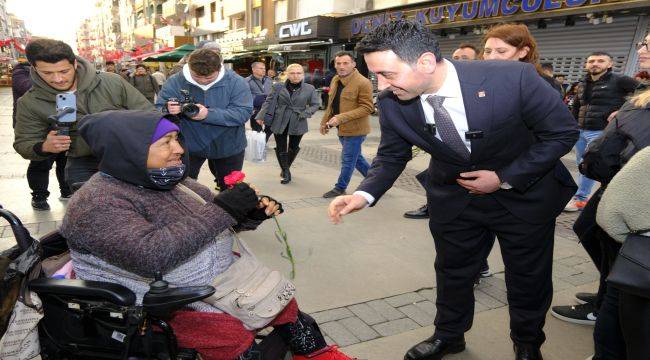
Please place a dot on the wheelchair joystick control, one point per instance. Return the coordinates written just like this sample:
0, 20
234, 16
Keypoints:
158, 285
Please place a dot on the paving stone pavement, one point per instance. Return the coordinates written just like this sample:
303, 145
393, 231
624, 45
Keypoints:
396, 314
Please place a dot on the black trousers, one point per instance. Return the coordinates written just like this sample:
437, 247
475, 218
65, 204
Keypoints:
218, 167
281, 141
462, 246
591, 237
38, 176
635, 321
79, 170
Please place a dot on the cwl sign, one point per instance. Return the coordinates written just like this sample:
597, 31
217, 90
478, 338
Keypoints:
301, 28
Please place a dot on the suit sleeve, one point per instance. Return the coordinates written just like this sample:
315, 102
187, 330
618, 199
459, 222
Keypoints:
238, 110
551, 123
392, 155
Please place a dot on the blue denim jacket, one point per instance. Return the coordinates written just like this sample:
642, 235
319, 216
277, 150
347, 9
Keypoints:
229, 104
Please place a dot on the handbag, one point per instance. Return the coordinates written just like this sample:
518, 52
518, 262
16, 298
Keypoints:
631, 270
248, 290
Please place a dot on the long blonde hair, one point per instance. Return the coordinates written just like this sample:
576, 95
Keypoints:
642, 99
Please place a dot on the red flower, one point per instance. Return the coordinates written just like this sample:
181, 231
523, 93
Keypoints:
233, 178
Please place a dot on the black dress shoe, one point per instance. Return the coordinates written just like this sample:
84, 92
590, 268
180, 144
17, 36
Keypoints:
527, 352
434, 349
421, 213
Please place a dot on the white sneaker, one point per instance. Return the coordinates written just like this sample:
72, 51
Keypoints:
575, 205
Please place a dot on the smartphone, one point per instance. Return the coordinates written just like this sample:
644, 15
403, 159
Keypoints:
67, 100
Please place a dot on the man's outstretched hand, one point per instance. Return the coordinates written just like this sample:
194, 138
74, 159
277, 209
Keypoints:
345, 204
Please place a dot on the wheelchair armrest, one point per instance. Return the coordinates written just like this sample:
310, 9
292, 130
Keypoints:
114, 293
163, 303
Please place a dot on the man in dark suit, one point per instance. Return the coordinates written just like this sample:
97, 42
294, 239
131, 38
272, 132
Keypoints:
496, 132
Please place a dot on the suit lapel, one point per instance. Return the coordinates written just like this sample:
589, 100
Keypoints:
478, 101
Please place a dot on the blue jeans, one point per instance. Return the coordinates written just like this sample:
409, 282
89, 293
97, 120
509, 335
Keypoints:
351, 158
584, 183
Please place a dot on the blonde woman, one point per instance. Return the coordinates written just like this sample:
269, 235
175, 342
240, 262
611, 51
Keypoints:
296, 102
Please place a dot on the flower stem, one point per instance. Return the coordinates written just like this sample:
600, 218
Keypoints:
287, 248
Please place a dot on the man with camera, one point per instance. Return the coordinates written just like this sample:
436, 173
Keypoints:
56, 70
213, 104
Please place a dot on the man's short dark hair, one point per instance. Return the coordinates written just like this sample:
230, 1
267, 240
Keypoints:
601, 53
468, 46
49, 51
344, 53
408, 39
141, 66
110, 63
204, 62
547, 66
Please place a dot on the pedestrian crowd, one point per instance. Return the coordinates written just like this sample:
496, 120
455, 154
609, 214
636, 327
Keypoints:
494, 119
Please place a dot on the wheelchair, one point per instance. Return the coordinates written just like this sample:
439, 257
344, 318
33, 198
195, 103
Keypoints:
101, 320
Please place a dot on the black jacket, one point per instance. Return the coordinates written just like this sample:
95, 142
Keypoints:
596, 100
522, 144
623, 137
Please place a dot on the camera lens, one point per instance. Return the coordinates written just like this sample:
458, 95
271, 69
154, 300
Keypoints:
190, 110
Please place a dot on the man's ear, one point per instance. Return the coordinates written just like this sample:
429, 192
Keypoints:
426, 63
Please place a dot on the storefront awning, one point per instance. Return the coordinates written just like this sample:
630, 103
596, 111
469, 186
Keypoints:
296, 46
172, 56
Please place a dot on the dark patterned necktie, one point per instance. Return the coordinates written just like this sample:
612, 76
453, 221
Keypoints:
446, 128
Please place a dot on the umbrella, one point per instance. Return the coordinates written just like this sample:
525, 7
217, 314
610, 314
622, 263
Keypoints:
173, 56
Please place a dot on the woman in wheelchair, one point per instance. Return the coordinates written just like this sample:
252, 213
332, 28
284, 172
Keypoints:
140, 215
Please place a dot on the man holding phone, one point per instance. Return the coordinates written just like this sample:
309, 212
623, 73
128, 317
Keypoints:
57, 71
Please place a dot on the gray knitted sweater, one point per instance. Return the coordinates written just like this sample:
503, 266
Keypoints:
142, 231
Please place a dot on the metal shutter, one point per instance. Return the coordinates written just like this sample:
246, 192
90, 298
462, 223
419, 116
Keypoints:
567, 47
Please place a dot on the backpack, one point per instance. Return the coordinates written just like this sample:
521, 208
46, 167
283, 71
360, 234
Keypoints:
602, 160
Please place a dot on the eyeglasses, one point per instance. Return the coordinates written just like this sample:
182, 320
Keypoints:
642, 45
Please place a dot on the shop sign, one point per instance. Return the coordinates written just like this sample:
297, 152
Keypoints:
465, 11
297, 29
317, 27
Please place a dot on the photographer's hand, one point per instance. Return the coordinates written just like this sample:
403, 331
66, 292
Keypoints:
203, 113
173, 107
56, 143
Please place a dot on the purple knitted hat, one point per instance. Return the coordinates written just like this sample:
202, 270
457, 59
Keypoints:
164, 127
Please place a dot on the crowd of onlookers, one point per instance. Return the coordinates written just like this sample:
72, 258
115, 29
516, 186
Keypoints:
212, 104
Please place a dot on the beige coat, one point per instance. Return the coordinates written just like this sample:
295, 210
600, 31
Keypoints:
625, 205
355, 106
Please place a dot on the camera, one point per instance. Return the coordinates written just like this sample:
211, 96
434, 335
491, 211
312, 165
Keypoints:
187, 103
